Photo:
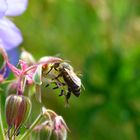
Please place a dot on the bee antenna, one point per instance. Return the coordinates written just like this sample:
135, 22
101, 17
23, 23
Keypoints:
58, 55
83, 87
68, 61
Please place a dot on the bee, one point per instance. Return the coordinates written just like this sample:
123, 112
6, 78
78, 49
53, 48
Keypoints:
47, 63
66, 72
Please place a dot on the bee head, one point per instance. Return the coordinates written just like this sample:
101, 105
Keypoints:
56, 65
65, 65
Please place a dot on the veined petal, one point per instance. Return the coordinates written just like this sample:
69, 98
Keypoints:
16, 7
13, 55
3, 8
10, 35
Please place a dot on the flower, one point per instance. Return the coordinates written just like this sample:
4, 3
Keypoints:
3, 7
27, 57
17, 111
60, 128
10, 35
55, 124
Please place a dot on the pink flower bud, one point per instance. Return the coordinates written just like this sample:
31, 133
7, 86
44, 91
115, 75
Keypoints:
54, 126
27, 57
60, 128
12, 88
18, 108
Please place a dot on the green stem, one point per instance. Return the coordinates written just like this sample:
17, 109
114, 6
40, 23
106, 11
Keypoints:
2, 134
29, 131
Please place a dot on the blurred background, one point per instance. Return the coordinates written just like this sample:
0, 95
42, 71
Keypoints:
101, 38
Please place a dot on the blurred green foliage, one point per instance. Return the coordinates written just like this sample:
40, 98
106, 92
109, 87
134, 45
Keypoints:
101, 38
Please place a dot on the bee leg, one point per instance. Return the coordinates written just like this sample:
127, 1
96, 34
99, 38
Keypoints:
63, 84
47, 85
60, 84
49, 70
57, 85
62, 93
68, 95
56, 69
56, 78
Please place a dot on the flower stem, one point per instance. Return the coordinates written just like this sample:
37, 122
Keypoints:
33, 67
2, 135
29, 131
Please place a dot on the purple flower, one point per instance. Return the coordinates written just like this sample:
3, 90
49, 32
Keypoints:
3, 7
10, 35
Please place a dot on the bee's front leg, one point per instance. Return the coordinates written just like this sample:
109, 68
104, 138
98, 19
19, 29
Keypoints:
56, 78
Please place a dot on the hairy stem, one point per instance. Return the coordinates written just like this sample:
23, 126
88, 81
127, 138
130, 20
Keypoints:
2, 134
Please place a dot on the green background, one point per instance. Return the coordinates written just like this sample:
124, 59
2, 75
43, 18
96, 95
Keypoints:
101, 38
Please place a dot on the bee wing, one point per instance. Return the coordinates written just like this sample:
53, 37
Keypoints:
74, 77
49, 59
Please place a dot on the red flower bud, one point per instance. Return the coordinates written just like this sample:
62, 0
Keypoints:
18, 108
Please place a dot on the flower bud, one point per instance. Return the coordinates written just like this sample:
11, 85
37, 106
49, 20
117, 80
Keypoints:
27, 57
60, 128
12, 88
18, 108
55, 126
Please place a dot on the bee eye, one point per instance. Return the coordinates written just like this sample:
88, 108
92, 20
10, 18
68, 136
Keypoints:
56, 65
